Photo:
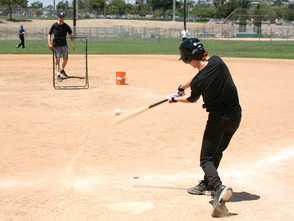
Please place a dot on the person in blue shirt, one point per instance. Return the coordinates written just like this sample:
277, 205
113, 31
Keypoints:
21, 33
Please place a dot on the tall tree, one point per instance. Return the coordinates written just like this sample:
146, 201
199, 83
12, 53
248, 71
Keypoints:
141, 9
117, 7
81, 4
62, 5
257, 20
163, 5
96, 4
226, 9
289, 12
37, 5
218, 3
14, 3
245, 4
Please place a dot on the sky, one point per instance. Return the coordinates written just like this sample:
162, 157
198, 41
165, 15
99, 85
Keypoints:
45, 2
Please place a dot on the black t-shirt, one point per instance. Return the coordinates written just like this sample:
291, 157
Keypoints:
60, 32
214, 82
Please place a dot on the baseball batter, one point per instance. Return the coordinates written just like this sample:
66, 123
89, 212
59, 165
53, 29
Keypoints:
215, 84
60, 29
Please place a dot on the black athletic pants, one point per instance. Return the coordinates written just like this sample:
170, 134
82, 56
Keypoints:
22, 41
217, 136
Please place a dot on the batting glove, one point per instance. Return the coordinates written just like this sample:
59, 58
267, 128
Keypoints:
180, 91
171, 98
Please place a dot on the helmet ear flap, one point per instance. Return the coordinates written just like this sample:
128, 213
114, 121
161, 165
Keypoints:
187, 59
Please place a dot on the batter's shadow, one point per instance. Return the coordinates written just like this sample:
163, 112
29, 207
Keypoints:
243, 196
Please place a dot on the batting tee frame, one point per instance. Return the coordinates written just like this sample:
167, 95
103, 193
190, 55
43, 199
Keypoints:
71, 87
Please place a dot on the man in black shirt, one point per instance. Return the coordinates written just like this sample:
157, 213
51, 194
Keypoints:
215, 84
60, 29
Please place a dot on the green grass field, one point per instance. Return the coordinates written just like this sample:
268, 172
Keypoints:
223, 48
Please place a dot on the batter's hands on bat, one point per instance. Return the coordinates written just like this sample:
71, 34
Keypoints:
180, 91
171, 98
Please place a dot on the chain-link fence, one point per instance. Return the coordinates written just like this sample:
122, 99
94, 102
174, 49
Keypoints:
125, 33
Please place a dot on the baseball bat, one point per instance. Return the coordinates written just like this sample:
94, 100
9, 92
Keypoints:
135, 112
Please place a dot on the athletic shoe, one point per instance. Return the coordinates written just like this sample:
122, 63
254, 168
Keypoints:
16, 46
221, 196
63, 72
201, 189
58, 78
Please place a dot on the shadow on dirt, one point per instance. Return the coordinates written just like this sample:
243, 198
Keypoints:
19, 20
64, 78
243, 196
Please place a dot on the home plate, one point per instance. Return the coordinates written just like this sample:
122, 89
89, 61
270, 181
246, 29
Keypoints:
133, 207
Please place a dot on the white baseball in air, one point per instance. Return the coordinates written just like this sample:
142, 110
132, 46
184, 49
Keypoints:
117, 111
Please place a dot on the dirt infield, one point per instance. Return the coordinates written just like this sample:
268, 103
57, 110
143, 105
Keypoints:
62, 158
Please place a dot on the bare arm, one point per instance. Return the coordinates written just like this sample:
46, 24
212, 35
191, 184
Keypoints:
73, 42
187, 84
49, 38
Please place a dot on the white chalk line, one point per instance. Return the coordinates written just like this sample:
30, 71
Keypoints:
85, 182
258, 169
134, 208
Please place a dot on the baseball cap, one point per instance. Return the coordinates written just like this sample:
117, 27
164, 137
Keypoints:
61, 15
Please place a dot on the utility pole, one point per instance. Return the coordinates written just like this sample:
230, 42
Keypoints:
185, 14
74, 16
174, 10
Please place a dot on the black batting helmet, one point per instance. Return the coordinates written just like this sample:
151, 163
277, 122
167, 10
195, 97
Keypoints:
191, 48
